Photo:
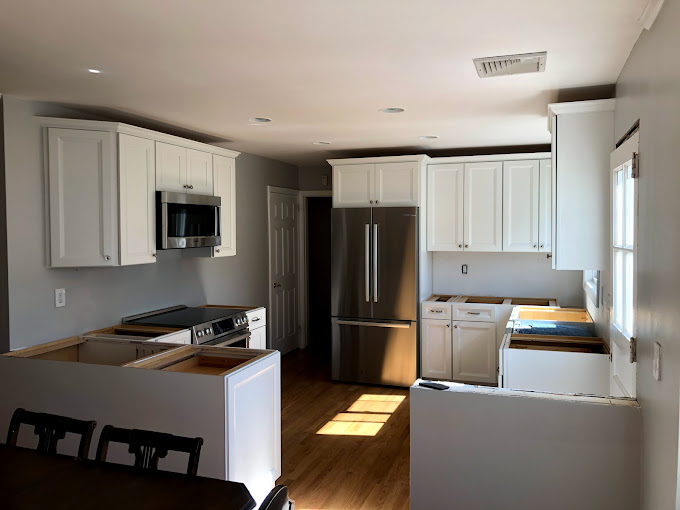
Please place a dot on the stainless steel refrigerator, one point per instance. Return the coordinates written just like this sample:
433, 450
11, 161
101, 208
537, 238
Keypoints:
374, 295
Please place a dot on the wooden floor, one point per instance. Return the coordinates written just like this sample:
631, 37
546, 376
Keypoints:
341, 471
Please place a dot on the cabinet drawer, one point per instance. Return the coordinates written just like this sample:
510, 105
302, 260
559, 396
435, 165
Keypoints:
474, 313
436, 310
257, 318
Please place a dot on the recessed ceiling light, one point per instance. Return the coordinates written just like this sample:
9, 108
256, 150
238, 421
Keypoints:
94, 71
392, 109
428, 137
322, 143
260, 120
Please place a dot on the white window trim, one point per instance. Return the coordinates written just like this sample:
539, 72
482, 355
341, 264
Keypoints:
592, 288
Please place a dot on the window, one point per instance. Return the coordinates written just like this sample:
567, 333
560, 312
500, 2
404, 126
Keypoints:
591, 283
624, 248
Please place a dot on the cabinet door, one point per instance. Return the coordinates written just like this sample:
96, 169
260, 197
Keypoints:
545, 207
445, 207
199, 172
436, 349
137, 186
258, 338
171, 167
82, 198
483, 229
353, 185
474, 351
396, 184
520, 205
224, 177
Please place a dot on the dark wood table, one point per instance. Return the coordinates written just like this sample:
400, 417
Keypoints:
29, 479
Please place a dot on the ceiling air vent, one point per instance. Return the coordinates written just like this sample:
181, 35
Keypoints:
510, 64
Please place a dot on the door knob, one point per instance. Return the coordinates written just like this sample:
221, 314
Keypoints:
276, 285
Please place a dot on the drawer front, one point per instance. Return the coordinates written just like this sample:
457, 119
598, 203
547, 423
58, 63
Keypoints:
257, 318
436, 310
180, 337
475, 313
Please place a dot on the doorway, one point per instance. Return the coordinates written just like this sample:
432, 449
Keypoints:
319, 274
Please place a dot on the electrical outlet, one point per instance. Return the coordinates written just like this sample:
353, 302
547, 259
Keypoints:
59, 298
656, 363
464, 269
324, 180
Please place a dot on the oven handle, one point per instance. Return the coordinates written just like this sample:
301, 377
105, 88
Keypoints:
219, 342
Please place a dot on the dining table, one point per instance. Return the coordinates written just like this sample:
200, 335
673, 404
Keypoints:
32, 480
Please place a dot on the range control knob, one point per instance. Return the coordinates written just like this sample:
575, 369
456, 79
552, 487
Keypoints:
199, 334
207, 331
238, 321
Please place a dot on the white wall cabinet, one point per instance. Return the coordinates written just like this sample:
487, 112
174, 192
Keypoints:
483, 222
183, 170
445, 207
582, 140
102, 179
377, 182
474, 352
436, 349
545, 207
224, 179
521, 186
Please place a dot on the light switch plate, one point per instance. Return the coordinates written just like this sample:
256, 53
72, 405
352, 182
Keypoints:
464, 269
324, 180
656, 363
59, 298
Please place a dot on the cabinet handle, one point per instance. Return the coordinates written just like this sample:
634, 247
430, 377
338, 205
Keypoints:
437, 311
107, 257
460, 246
370, 201
153, 255
448, 325
455, 326
466, 245
217, 250
186, 186
541, 246
254, 319
376, 201
191, 186
533, 246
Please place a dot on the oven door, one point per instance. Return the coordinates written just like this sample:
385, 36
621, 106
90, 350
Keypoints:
239, 339
187, 221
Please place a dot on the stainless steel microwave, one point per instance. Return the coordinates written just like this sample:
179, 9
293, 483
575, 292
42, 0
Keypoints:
187, 221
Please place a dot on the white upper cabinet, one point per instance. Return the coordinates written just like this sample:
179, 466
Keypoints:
474, 352
353, 185
83, 203
436, 349
171, 167
396, 184
199, 172
521, 213
483, 216
224, 179
137, 194
545, 207
582, 140
445, 207
378, 182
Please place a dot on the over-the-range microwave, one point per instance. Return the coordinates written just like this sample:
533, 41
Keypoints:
184, 220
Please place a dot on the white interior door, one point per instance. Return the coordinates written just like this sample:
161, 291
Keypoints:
284, 325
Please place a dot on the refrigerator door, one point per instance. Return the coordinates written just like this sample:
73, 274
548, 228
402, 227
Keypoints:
375, 352
351, 263
394, 235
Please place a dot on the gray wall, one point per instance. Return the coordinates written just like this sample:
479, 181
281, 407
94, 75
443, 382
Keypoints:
649, 89
506, 274
97, 297
4, 297
309, 178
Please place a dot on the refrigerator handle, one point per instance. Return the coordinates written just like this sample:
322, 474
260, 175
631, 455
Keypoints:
375, 262
367, 242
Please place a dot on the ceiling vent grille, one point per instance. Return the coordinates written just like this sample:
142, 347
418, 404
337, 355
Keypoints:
510, 64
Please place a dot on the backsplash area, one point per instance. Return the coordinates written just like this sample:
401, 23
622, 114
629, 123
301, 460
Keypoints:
506, 274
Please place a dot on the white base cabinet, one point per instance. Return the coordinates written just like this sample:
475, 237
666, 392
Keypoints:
257, 321
474, 348
436, 349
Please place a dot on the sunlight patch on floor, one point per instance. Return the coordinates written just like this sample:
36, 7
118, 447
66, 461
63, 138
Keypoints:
365, 417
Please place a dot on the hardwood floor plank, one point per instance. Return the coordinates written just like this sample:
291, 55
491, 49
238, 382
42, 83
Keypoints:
339, 472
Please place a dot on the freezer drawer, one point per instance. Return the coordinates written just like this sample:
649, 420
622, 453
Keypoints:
375, 352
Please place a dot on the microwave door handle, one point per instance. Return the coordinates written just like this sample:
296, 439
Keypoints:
218, 224
164, 225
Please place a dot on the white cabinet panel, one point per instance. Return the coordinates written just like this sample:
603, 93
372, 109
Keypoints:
224, 180
82, 198
258, 338
199, 172
353, 185
474, 352
396, 184
436, 349
520, 206
483, 226
171, 167
545, 207
445, 196
137, 181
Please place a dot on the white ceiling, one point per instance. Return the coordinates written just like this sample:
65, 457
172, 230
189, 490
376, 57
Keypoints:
321, 69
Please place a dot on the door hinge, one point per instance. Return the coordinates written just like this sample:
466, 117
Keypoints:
633, 349
635, 171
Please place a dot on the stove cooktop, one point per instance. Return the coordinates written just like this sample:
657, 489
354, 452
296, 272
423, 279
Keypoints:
185, 317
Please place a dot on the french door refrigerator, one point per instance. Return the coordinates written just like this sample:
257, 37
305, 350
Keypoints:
374, 295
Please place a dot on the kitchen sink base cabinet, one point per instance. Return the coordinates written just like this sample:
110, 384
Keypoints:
237, 413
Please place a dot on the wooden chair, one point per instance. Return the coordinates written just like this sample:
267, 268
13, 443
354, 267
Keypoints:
277, 499
148, 446
50, 429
